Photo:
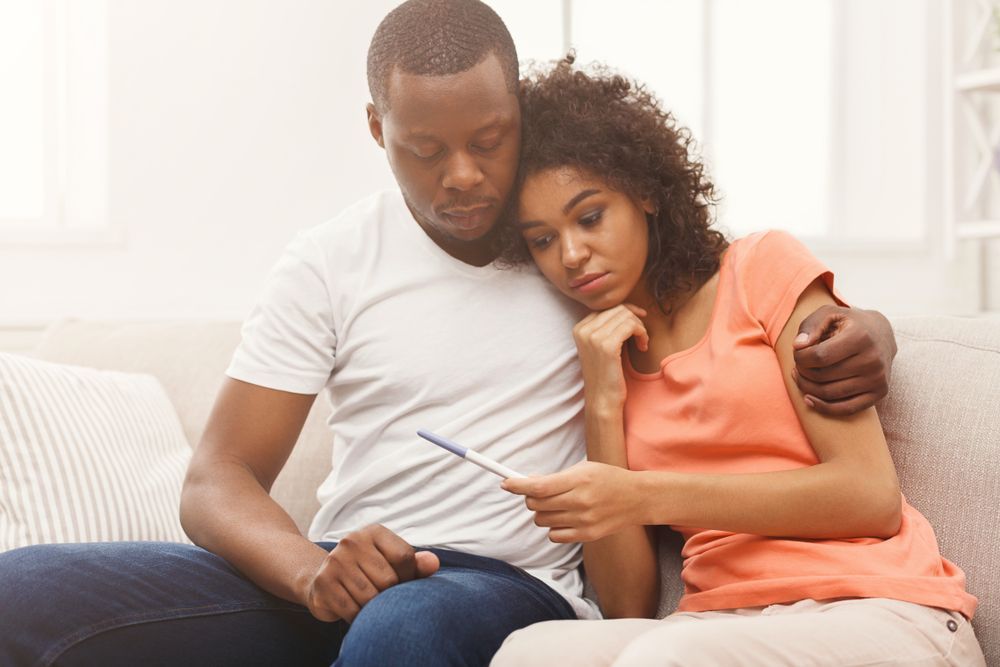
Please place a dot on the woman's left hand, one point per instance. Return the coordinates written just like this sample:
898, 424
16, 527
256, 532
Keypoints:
580, 504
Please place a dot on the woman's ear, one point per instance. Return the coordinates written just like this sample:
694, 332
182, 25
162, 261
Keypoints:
648, 205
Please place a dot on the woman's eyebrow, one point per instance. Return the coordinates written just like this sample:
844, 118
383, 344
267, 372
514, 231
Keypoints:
580, 196
574, 200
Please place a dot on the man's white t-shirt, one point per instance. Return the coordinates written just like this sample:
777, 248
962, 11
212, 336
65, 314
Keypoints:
403, 336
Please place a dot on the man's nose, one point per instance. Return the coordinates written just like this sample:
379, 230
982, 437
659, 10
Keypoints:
461, 172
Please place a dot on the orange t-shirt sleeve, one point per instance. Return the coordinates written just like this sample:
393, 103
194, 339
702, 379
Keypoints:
775, 272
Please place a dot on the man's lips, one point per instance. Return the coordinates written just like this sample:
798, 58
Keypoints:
466, 212
587, 280
467, 218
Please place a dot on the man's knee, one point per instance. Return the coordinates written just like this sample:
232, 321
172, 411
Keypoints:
434, 621
29, 590
401, 626
27, 574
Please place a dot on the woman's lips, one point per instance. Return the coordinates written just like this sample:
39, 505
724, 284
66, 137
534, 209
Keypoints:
589, 282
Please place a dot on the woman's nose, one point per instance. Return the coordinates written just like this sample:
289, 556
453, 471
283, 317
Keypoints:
574, 252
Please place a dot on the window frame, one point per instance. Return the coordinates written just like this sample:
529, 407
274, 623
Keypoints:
74, 107
837, 240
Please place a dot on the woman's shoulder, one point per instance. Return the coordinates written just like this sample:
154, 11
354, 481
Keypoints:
769, 242
762, 253
770, 270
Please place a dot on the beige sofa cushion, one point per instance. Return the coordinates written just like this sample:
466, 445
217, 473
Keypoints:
86, 455
190, 360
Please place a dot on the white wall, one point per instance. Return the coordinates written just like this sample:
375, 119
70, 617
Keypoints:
233, 124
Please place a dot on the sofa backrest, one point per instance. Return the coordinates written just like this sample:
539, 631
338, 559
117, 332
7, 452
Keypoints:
942, 423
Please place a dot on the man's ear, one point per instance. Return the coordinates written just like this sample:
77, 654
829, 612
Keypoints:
375, 124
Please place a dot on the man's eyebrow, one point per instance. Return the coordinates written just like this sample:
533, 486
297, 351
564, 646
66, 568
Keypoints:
498, 123
421, 136
576, 199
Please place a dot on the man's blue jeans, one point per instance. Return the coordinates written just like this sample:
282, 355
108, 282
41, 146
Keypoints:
155, 603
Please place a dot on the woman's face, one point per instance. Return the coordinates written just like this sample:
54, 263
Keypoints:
590, 241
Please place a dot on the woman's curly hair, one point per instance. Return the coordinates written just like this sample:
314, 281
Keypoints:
614, 129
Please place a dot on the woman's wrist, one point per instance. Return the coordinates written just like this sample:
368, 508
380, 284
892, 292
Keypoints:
660, 493
603, 406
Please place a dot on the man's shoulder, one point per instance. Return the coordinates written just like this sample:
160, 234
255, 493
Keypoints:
338, 245
362, 216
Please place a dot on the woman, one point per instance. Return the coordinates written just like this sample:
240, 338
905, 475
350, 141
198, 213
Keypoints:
799, 548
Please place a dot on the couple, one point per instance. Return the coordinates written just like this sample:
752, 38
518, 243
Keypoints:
398, 310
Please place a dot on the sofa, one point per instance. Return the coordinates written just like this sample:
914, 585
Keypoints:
941, 418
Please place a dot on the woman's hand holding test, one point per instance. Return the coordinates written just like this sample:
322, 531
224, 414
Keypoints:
583, 503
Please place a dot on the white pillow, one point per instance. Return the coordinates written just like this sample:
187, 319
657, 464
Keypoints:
86, 456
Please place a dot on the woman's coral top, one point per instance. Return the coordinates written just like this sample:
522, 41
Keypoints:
721, 407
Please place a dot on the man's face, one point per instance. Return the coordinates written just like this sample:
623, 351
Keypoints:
452, 143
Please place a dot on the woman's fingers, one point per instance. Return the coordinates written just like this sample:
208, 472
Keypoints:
611, 328
627, 328
640, 312
588, 326
559, 503
596, 320
558, 519
541, 486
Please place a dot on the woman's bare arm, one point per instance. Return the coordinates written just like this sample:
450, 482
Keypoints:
851, 492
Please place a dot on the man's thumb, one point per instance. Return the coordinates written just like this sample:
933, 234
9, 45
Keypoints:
813, 328
427, 563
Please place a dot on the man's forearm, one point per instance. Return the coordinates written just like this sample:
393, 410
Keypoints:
227, 512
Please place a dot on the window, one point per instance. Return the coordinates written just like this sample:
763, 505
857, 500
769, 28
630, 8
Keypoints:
812, 116
53, 121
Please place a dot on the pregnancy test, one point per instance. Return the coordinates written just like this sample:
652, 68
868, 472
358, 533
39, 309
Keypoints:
470, 455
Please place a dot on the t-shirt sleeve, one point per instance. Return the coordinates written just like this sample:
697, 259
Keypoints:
288, 342
777, 269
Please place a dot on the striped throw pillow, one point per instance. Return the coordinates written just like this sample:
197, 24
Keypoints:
86, 456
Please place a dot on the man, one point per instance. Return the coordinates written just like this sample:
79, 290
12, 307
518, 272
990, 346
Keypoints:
395, 309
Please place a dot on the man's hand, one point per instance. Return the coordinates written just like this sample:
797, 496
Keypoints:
843, 359
362, 565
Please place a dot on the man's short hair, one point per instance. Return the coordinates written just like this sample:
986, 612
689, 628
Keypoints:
436, 38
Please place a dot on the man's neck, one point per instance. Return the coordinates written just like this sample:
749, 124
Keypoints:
474, 253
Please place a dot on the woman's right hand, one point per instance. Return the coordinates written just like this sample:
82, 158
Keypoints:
599, 339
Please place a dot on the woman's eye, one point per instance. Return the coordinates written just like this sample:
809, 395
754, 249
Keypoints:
541, 241
591, 218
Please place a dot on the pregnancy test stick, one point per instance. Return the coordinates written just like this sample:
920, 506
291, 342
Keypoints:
470, 455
